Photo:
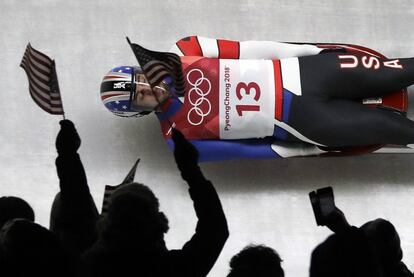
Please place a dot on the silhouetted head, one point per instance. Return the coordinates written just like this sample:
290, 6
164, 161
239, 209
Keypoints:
28, 249
344, 255
14, 207
385, 239
256, 260
133, 217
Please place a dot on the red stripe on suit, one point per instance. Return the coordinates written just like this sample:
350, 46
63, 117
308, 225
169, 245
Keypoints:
228, 49
190, 46
278, 89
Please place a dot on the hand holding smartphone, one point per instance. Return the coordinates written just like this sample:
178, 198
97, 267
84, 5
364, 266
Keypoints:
323, 204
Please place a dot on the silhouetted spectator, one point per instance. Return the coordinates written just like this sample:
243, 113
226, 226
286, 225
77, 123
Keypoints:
257, 261
345, 255
371, 250
131, 238
386, 242
74, 215
28, 249
12, 207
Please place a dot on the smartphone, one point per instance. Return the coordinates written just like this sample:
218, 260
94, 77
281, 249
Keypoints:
323, 203
326, 200
315, 207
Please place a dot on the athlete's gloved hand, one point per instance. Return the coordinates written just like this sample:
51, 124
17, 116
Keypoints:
186, 155
67, 140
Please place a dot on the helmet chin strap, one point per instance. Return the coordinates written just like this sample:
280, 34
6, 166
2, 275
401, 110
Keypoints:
157, 99
159, 102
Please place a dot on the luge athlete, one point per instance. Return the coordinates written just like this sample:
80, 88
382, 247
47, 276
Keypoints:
262, 99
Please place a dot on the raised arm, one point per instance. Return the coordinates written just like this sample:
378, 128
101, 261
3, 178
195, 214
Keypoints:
200, 253
229, 49
74, 214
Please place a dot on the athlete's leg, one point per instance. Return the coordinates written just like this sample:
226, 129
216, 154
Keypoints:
344, 123
350, 76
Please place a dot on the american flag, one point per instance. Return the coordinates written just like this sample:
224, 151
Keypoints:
109, 190
43, 83
158, 66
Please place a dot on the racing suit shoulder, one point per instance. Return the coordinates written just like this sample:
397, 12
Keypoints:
231, 49
207, 47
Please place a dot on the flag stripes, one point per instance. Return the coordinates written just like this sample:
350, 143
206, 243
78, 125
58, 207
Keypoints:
156, 71
157, 66
43, 84
109, 190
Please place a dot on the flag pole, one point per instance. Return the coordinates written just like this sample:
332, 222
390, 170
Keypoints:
109, 190
131, 174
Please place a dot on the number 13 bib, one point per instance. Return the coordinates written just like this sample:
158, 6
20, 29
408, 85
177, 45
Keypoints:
247, 98
230, 99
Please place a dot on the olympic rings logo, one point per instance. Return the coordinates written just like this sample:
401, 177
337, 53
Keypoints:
196, 92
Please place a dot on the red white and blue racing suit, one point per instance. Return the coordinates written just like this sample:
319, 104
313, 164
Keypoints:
267, 99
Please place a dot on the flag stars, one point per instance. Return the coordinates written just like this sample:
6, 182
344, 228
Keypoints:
124, 107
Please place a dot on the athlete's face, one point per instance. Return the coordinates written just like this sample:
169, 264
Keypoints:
146, 97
